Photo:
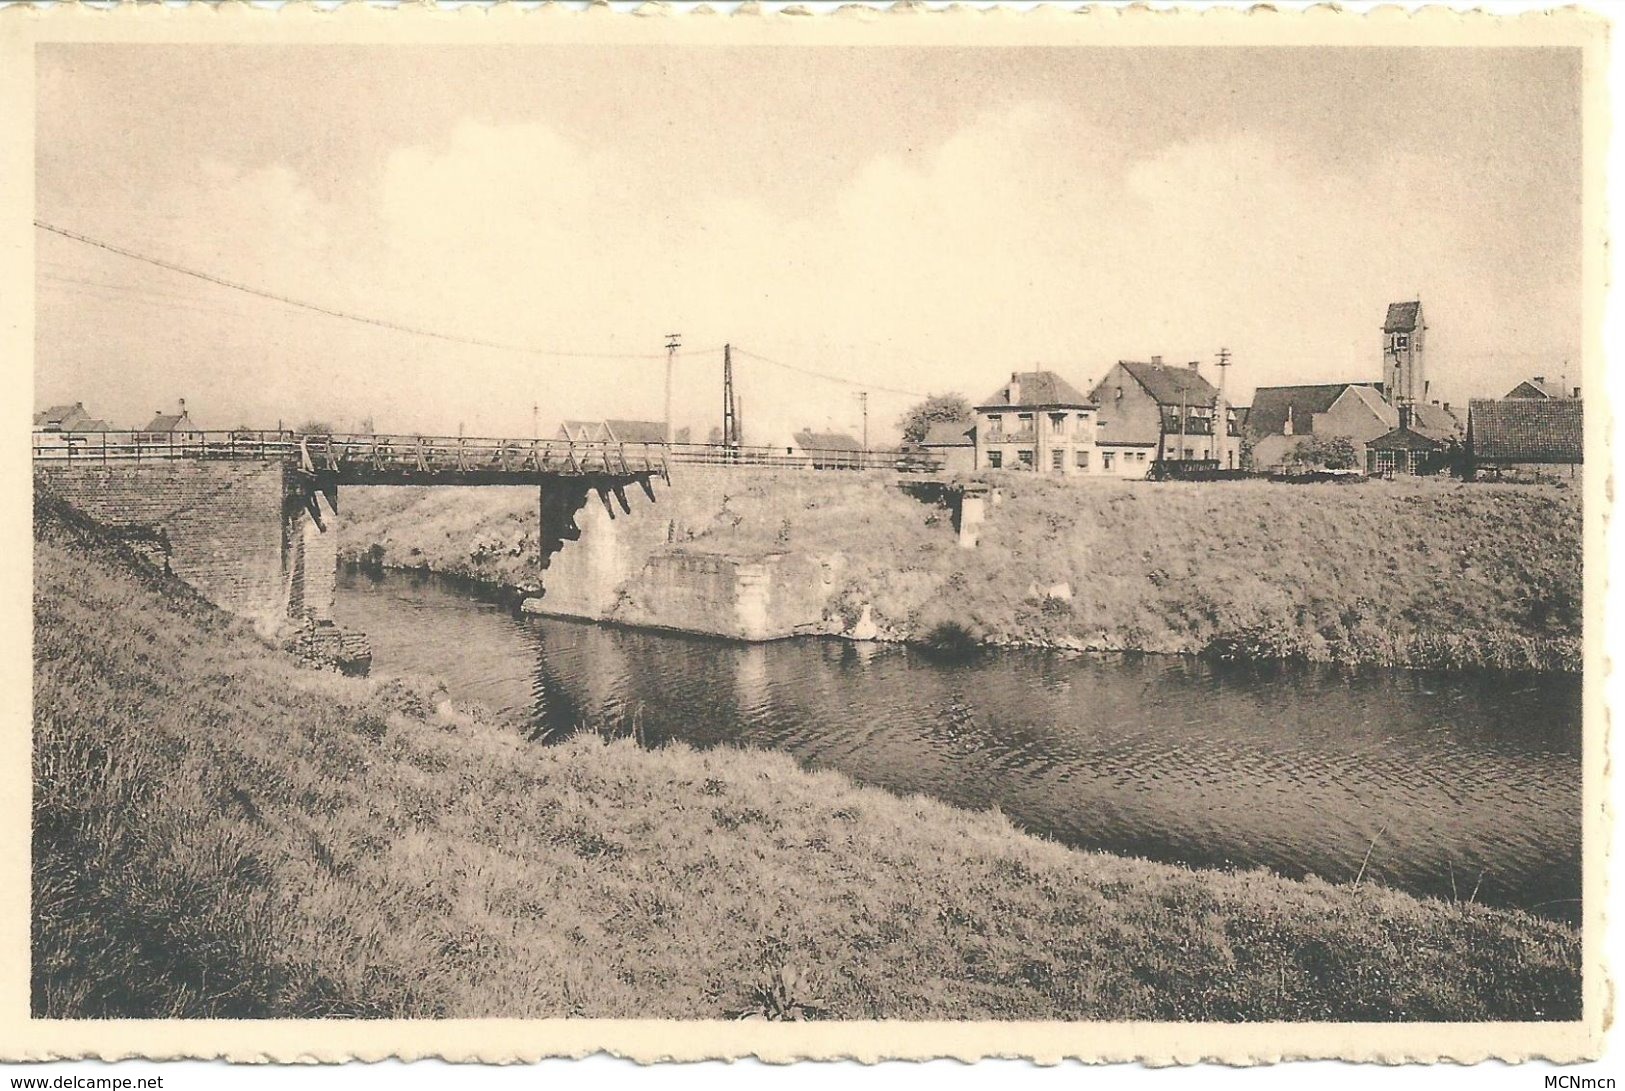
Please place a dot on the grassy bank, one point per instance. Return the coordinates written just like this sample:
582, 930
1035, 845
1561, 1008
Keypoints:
220, 833
1424, 574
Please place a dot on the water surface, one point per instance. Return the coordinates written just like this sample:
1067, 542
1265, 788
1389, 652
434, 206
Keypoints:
1461, 784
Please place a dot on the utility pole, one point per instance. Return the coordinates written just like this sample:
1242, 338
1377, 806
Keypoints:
730, 415
1221, 414
673, 343
535, 421
863, 397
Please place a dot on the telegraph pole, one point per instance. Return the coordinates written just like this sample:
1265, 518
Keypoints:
1221, 413
673, 343
730, 413
863, 397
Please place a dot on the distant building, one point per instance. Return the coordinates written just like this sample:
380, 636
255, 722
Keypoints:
612, 431
1152, 411
174, 427
952, 444
827, 450
68, 418
1038, 422
1437, 421
1411, 449
1281, 416
1538, 387
1404, 362
1524, 435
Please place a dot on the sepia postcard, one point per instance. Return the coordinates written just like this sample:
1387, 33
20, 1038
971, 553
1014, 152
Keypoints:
1065, 534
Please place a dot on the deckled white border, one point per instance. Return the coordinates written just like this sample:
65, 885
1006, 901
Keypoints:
505, 1040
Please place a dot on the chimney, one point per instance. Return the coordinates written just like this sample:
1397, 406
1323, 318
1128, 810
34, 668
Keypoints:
1194, 363
1405, 416
1156, 361
1447, 407
1576, 392
1540, 378
1015, 388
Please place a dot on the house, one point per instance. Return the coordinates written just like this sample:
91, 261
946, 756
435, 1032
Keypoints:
636, 431
952, 445
174, 427
1281, 416
1037, 421
1538, 387
1410, 449
1151, 411
68, 418
1524, 435
827, 450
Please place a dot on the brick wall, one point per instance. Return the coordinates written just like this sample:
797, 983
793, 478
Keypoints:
224, 522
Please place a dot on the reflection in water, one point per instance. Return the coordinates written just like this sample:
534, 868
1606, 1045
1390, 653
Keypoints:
1461, 781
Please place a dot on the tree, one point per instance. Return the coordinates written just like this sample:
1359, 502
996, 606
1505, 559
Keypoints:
1327, 452
936, 409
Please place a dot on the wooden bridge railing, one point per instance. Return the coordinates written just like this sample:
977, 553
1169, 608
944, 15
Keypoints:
405, 455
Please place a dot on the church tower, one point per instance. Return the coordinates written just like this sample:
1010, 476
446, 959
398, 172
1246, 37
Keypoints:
1404, 371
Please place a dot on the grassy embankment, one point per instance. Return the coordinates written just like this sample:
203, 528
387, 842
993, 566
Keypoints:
1424, 574
220, 833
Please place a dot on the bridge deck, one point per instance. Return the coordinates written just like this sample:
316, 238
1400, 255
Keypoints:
356, 459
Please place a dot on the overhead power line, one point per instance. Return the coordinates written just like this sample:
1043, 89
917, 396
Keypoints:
860, 384
334, 312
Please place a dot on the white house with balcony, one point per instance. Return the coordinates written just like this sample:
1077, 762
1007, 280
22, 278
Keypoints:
1037, 422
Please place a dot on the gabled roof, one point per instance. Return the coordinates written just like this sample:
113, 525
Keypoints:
1403, 317
1268, 414
1537, 387
1038, 388
637, 431
1404, 439
1526, 430
1171, 384
1436, 422
949, 434
826, 441
91, 424
168, 422
59, 416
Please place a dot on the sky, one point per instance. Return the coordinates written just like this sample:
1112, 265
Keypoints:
908, 220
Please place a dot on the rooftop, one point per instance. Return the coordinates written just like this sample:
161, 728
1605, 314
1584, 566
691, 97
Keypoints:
1403, 317
1034, 389
1527, 430
1271, 404
1171, 384
809, 440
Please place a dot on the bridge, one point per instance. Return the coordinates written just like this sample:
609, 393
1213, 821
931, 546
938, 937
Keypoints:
248, 517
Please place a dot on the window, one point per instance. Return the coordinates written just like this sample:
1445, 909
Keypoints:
1106, 460
995, 459
1025, 459
1083, 460
1190, 452
1119, 394
1057, 459
1402, 341
1139, 456
1057, 423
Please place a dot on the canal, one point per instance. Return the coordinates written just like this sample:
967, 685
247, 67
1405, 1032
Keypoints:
1462, 785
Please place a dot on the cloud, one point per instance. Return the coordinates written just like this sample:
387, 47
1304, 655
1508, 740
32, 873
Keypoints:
1023, 238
